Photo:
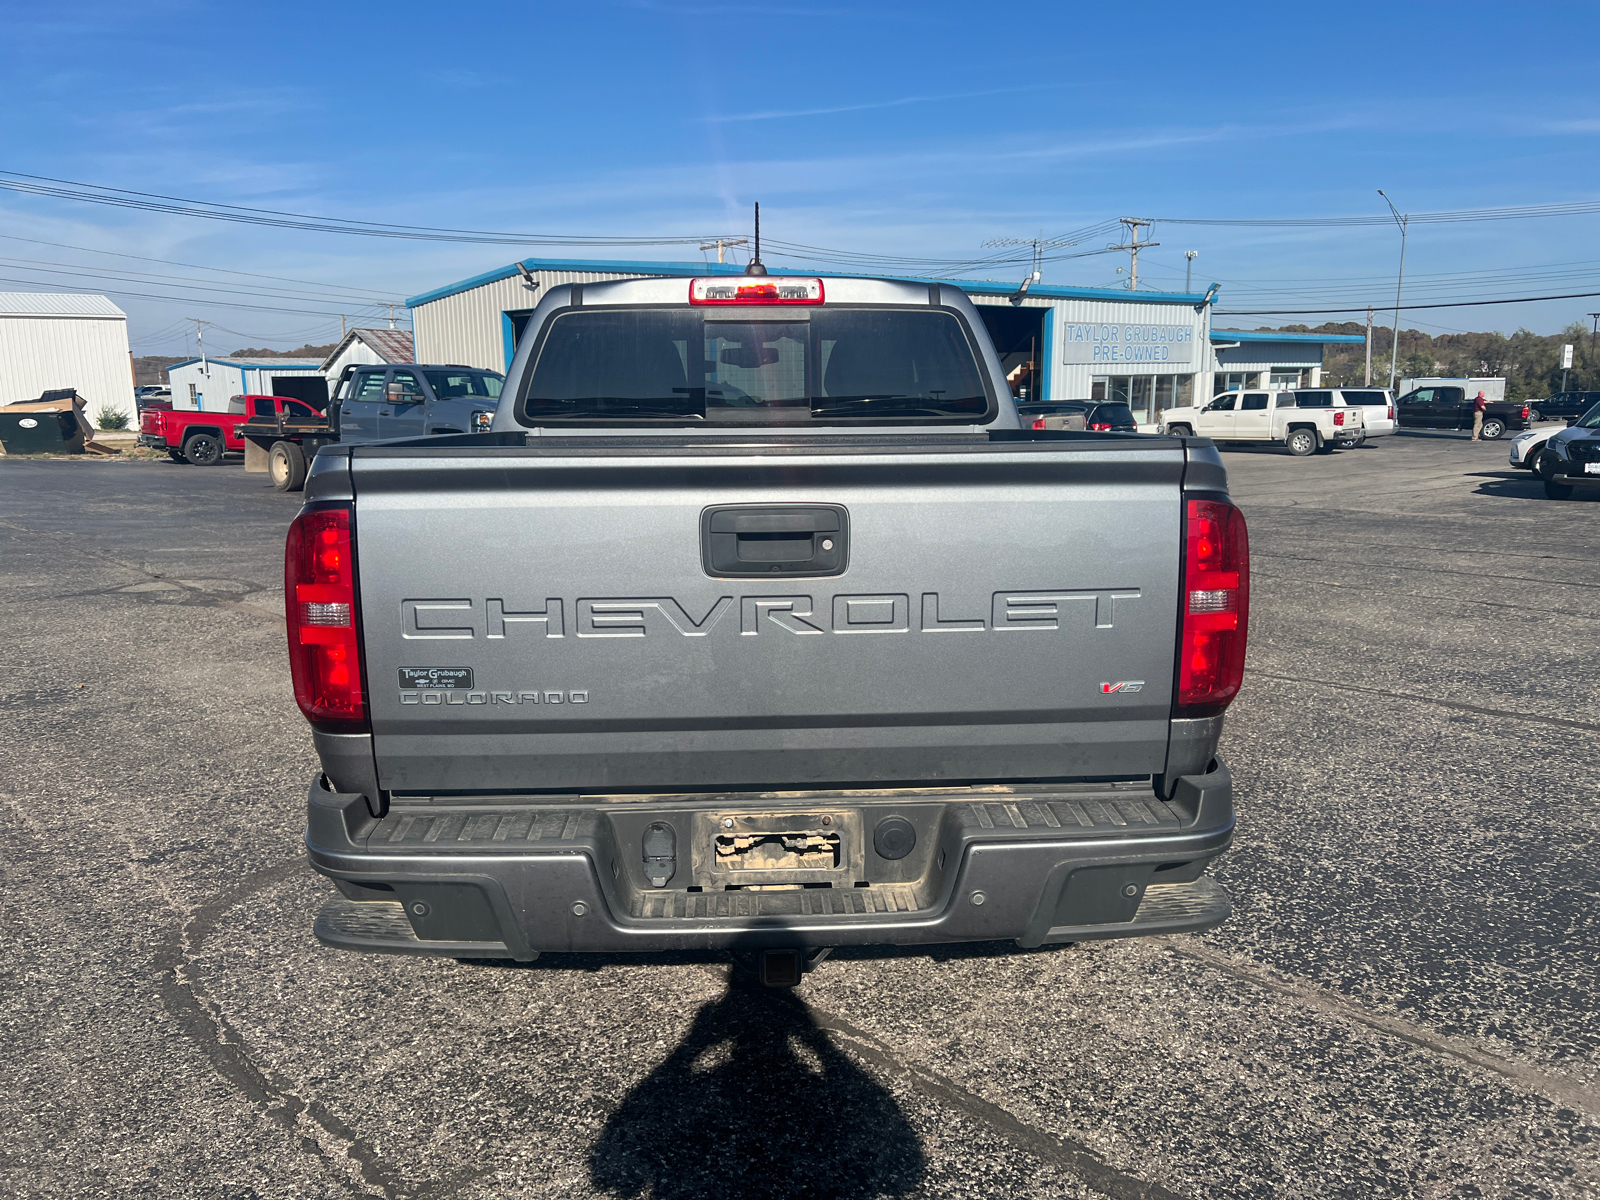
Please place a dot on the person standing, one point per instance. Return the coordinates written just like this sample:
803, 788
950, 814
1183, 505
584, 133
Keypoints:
1478, 405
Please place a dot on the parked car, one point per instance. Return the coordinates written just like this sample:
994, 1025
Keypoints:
1571, 458
669, 659
1451, 408
1528, 446
1268, 417
1376, 405
1092, 415
1563, 405
380, 402
373, 403
201, 438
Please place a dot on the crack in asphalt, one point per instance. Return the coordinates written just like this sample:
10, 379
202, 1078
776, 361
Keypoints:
1563, 722
1556, 1088
310, 1123
1066, 1153
192, 595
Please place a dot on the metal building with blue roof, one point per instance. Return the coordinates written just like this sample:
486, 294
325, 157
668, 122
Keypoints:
1150, 350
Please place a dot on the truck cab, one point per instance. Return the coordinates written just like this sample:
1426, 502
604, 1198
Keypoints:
384, 401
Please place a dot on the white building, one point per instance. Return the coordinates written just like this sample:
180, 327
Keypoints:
50, 341
1268, 359
207, 384
369, 347
1149, 350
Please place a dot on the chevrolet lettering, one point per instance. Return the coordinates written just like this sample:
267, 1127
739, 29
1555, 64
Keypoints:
756, 623
665, 616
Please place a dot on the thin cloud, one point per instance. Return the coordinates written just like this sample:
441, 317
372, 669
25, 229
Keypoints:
897, 102
1585, 125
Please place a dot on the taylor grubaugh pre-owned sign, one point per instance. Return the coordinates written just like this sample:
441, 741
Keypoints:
1107, 344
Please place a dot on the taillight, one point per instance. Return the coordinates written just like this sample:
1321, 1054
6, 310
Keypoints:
1216, 608
1338, 417
769, 290
319, 590
1101, 427
1038, 422
1391, 412
1524, 412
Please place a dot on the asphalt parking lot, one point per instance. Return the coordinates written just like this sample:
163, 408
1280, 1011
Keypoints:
1403, 1003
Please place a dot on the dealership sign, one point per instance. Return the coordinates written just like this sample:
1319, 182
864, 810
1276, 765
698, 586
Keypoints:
1105, 344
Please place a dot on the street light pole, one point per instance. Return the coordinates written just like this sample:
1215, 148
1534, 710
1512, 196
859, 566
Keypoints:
1394, 350
1188, 271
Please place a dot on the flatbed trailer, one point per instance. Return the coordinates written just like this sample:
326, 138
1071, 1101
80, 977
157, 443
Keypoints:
284, 446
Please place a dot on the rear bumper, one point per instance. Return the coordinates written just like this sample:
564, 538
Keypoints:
153, 441
1060, 864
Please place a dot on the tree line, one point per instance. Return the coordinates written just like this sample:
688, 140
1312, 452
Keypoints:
1529, 362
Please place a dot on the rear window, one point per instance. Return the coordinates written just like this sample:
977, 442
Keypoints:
1359, 399
1313, 399
827, 366
448, 385
1114, 414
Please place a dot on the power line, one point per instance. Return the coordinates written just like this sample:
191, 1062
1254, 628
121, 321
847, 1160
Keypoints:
1297, 312
196, 266
94, 193
72, 287
187, 283
1511, 213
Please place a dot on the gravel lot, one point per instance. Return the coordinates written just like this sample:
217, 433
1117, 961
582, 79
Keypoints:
1403, 1003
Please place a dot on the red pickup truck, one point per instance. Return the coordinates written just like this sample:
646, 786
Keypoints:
203, 438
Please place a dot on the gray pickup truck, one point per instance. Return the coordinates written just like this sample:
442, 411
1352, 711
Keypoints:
757, 624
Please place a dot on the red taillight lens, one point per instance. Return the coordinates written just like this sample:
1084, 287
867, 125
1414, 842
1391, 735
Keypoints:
1524, 412
1391, 412
319, 591
1338, 417
1216, 607
1101, 427
771, 290
1038, 422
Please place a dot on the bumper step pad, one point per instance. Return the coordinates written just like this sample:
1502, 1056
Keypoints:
1165, 908
381, 926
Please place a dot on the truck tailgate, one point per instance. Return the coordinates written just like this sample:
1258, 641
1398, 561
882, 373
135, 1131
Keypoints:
545, 618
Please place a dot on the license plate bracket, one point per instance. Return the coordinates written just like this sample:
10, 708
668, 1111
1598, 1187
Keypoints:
774, 848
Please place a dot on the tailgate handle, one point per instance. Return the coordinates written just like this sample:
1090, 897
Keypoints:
760, 541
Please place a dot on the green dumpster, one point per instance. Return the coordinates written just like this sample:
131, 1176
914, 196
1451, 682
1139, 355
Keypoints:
40, 432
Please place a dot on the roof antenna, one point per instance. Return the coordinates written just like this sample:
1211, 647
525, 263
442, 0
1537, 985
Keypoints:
755, 267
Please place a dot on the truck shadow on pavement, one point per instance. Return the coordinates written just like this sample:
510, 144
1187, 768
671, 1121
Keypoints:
756, 1101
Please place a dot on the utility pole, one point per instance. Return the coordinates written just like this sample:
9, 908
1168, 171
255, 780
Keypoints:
391, 309
341, 327
1394, 351
205, 367
1595, 317
1188, 271
1134, 245
1368, 380
720, 243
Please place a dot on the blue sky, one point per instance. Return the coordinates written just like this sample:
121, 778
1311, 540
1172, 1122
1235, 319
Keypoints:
919, 129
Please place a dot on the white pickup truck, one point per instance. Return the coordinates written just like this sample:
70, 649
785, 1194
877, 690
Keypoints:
1267, 417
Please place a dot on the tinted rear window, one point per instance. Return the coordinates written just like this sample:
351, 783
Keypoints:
1115, 414
1313, 399
479, 384
1365, 398
825, 366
